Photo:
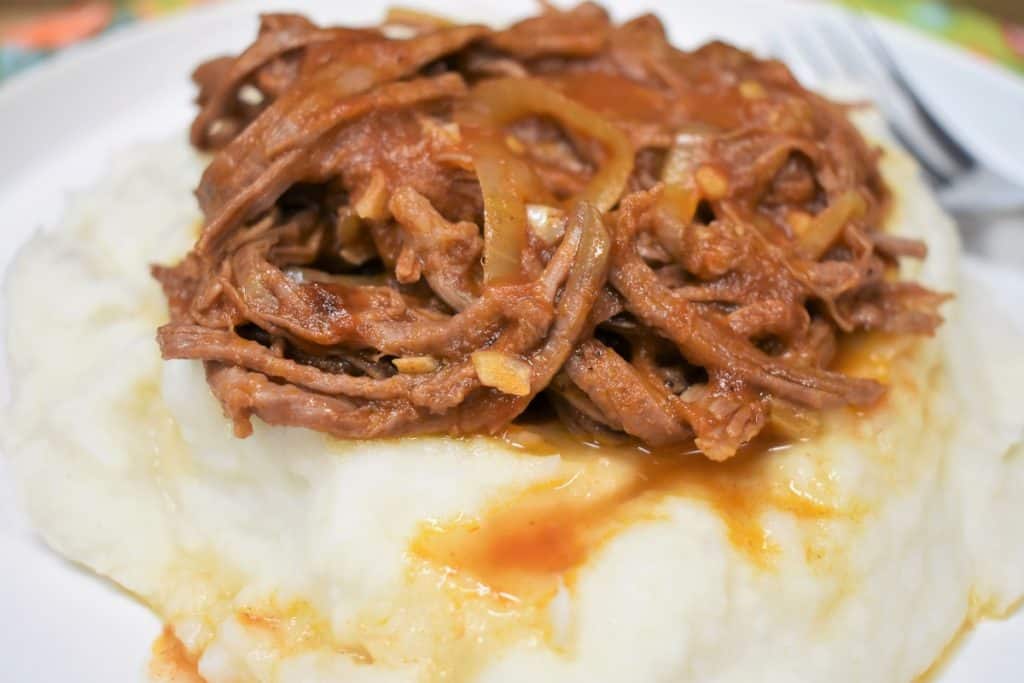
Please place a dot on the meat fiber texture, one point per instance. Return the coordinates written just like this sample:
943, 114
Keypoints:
423, 235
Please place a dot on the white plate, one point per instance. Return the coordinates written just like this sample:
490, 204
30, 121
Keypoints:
60, 123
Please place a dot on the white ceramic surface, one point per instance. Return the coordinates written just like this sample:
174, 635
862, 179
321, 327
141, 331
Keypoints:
61, 122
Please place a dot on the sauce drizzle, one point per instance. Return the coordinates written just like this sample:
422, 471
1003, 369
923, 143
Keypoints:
526, 546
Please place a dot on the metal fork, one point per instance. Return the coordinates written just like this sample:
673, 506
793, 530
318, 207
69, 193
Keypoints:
850, 50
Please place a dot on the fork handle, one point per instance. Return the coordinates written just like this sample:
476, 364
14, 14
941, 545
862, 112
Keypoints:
981, 191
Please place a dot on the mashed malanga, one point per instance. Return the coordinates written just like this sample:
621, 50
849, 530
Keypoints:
854, 550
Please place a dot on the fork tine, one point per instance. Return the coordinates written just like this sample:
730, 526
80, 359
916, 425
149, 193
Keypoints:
861, 66
870, 36
823, 50
812, 38
907, 116
789, 53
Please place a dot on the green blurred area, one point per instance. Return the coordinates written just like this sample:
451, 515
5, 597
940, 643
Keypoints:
987, 33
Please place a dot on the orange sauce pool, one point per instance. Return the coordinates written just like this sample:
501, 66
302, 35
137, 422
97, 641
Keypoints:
527, 546
530, 544
519, 552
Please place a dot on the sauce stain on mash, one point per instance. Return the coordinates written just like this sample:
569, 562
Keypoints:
171, 662
296, 628
528, 545
508, 564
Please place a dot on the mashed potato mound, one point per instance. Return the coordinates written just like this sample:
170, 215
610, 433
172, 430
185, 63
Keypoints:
291, 557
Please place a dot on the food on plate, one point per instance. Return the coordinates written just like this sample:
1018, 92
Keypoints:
548, 353
424, 235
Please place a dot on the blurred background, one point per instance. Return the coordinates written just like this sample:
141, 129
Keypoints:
32, 29
1012, 10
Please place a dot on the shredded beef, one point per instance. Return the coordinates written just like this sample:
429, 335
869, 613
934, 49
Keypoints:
423, 234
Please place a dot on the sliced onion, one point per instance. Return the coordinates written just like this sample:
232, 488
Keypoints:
688, 152
510, 99
679, 204
546, 222
504, 182
507, 182
407, 16
826, 227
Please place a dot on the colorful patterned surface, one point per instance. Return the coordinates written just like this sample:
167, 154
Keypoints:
26, 43
976, 31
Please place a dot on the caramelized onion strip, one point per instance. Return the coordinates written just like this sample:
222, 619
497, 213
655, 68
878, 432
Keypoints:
828, 225
507, 181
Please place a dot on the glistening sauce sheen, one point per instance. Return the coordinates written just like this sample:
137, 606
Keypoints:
511, 561
528, 545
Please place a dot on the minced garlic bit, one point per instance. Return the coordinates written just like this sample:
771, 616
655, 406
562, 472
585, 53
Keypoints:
514, 144
415, 365
251, 95
713, 182
350, 231
372, 204
799, 221
752, 90
407, 16
507, 374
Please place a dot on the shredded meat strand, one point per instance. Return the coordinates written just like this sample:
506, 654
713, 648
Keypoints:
702, 233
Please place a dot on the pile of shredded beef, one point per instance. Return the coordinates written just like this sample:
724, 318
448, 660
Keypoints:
426, 227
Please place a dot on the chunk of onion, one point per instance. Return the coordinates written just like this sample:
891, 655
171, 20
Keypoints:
372, 204
501, 371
